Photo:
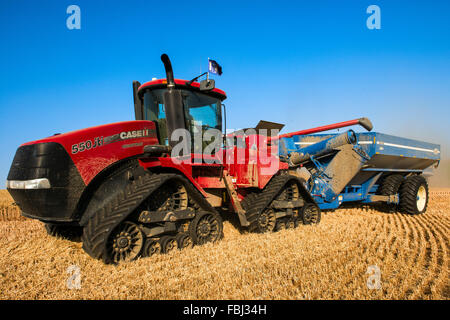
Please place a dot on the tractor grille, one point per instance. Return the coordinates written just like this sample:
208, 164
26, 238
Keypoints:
46, 160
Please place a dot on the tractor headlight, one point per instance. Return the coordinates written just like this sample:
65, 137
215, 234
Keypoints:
41, 183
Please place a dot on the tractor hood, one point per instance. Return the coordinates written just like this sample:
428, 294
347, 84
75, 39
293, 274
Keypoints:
93, 149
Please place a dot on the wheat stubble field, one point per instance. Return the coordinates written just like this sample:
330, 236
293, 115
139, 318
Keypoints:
327, 261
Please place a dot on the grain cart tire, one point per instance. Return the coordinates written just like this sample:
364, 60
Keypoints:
63, 231
414, 195
391, 184
310, 214
206, 227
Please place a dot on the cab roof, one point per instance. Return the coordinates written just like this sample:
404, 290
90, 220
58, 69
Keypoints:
180, 84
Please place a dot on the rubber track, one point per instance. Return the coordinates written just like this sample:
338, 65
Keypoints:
256, 203
103, 222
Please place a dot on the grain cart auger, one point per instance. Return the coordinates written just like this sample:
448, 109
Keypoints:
128, 192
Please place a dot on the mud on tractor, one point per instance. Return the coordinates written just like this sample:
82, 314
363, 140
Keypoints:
120, 188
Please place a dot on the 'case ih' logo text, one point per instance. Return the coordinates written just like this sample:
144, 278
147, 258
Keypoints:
134, 134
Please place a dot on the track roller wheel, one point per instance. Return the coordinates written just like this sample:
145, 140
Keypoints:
184, 241
280, 225
168, 244
151, 248
290, 223
206, 227
297, 220
171, 196
310, 214
126, 242
414, 195
267, 221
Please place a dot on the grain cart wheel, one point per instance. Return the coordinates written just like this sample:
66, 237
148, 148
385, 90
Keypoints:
126, 242
168, 244
311, 214
206, 227
391, 184
63, 231
414, 195
151, 248
184, 241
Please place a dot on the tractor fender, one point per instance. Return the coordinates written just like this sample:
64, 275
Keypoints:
106, 186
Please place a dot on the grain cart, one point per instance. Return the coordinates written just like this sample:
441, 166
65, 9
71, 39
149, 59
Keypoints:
362, 167
124, 191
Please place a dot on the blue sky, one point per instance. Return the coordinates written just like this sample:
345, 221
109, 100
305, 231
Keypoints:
302, 63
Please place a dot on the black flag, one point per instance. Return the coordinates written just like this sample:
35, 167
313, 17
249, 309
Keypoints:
214, 67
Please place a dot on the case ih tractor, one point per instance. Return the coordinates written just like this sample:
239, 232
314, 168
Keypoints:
120, 187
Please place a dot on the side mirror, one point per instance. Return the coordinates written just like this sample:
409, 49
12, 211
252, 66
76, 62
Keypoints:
207, 85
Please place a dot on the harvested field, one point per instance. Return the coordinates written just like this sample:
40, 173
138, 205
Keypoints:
8, 210
327, 261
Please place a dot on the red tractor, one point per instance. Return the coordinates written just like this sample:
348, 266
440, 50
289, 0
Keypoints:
118, 186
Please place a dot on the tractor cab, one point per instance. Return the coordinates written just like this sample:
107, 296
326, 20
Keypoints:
194, 109
178, 106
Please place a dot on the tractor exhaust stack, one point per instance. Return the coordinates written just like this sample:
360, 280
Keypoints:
169, 71
173, 103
